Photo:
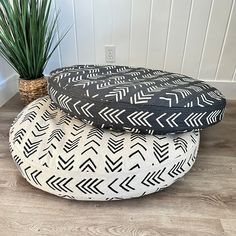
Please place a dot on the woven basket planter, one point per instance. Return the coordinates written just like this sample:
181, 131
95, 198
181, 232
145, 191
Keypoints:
31, 90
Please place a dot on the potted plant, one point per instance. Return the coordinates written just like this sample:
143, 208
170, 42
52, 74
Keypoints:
27, 33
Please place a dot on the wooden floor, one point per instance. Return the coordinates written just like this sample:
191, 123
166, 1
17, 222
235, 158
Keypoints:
203, 203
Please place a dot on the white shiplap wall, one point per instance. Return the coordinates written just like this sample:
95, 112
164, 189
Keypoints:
194, 37
8, 82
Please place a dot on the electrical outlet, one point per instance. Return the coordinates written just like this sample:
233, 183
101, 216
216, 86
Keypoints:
110, 53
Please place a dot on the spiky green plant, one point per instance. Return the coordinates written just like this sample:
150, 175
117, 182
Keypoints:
27, 34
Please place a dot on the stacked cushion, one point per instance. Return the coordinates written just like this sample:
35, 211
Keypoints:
74, 143
136, 99
66, 157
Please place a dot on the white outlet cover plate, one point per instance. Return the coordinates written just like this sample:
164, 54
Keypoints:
110, 53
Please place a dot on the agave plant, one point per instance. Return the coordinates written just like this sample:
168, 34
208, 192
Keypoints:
27, 33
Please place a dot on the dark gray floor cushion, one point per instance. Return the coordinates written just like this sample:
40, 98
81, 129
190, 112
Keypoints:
136, 99
66, 157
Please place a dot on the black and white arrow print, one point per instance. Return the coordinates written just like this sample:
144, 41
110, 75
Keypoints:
32, 175
113, 165
115, 145
140, 118
90, 186
19, 135
59, 184
111, 115
153, 178
135, 99
88, 166
66, 162
66, 157
63, 101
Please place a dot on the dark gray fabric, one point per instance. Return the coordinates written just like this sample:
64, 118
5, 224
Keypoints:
136, 99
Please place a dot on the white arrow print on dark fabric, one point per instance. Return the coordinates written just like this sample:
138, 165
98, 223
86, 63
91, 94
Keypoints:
170, 100
140, 118
140, 98
158, 119
63, 101
75, 79
212, 117
207, 101
155, 89
189, 104
118, 93
76, 107
85, 108
111, 115
194, 119
214, 96
172, 118
195, 88
198, 102
53, 93
184, 92
222, 114
103, 85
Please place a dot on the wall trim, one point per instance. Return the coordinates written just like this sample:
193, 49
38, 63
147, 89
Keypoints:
228, 88
8, 88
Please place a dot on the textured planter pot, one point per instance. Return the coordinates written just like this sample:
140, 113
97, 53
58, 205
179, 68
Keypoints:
31, 90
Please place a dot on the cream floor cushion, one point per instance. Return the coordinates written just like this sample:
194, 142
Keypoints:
66, 157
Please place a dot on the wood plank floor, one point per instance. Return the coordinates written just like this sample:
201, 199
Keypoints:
202, 203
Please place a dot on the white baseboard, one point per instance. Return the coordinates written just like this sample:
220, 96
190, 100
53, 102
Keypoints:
228, 88
8, 88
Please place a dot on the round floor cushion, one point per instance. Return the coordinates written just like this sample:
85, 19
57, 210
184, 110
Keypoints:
66, 157
136, 99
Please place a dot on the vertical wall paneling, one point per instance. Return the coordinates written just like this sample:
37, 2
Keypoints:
194, 37
103, 28
234, 75
75, 32
65, 21
149, 32
214, 38
158, 33
205, 38
121, 29
139, 32
130, 29
5, 70
8, 82
187, 35
195, 40
85, 31
54, 61
227, 60
177, 35
168, 33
